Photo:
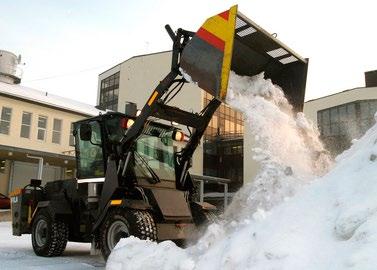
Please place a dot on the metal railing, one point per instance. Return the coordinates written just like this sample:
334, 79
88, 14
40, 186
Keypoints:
203, 179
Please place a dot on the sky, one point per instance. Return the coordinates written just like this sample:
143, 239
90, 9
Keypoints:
65, 44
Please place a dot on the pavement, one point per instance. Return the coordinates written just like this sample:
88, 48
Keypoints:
16, 252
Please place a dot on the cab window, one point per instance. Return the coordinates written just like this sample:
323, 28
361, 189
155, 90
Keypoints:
90, 154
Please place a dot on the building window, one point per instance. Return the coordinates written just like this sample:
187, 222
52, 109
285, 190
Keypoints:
339, 125
225, 122
25, 125
367, 110
42, 128
6, 114
109, 92
223, 146
71, 136
56, 131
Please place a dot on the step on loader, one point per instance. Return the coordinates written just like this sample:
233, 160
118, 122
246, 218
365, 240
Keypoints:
133, 173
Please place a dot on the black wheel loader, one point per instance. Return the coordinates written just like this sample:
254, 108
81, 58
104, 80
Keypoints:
133, 171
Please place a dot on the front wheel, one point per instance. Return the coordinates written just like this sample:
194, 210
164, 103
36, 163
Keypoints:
203, 217
49, 236
121, 223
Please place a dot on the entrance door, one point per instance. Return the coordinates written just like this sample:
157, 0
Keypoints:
22, 172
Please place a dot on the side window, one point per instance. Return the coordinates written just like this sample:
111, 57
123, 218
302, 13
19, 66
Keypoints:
25, 125
90, 162
42, 128
56, 131
71, 137
6, 114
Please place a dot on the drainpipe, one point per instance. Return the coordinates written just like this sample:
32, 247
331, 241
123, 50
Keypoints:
40, 165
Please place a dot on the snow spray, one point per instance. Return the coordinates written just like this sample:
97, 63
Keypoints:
286, 145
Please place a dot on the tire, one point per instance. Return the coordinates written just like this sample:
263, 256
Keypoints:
49, 236
202, 217
121, 223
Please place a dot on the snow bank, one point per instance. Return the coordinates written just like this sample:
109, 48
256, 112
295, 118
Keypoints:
283, 219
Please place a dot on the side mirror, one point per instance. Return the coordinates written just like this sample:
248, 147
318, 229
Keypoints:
85, 132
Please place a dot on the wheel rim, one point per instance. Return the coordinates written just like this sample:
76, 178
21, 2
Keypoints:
41, 233
117, 230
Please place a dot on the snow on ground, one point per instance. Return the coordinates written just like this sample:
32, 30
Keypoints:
290, 216
16, 252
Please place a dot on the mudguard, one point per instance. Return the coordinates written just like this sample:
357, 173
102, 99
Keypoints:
205, 205
57, 207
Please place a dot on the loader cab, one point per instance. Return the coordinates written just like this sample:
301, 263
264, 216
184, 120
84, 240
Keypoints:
94, 141
89, 149
153, 157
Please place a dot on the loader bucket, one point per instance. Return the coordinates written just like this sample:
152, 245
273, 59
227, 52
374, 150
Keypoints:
231, 41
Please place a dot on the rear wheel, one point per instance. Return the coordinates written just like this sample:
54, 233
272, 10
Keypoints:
122, 223
49, 236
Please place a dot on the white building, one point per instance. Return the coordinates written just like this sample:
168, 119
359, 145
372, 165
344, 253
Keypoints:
346, 115
35, 126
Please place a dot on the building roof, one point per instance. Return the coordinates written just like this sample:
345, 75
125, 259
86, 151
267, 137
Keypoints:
341, 92
47, 99
135, 56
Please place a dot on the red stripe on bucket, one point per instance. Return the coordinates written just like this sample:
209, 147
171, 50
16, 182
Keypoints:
224, 15
211, 39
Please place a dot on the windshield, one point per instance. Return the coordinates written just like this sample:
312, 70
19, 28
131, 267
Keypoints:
154, 155
154, 149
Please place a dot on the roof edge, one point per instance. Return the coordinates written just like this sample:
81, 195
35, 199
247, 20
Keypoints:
132, 57
48, 105
337, 93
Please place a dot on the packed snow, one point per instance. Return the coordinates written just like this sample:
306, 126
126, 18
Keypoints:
300, 212
16, 252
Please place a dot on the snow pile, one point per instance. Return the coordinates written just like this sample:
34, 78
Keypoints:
285, 144
284, 219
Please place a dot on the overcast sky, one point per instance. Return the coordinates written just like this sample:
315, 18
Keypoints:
65, 44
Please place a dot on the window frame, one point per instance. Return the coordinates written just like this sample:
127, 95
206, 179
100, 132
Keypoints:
109, 92
8, 122
55, 131
26, 125
337, 135
71, 136
41, 128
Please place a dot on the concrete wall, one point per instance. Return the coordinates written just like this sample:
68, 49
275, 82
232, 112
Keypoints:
250, 166
140, 75
14, 139
311, 107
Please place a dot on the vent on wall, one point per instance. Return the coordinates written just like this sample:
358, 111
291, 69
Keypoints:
371, 78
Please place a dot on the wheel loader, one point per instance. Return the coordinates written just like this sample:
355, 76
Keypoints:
133, 169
